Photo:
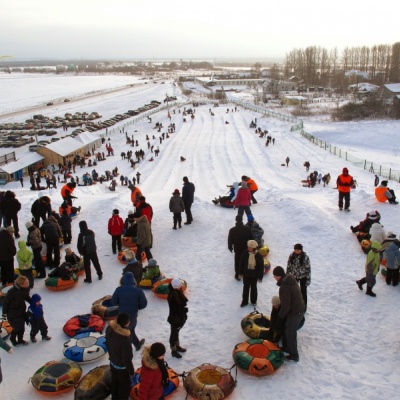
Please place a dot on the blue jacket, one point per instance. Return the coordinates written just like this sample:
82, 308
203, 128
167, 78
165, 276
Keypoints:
392, 255
129, 298
35, 311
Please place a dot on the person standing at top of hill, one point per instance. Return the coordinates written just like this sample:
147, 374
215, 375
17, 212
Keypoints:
344, 184
252, 185
188, 197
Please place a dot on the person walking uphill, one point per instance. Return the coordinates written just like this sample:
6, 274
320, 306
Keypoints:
7, 253
120, 354
87, 247
177, 317
344, 184
188, 190
176, 206
299, 266
292, 308
115, 229
243, 200
130, 299
252, 269
372, 264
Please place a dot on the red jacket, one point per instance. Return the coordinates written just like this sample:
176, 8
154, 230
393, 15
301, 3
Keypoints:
243, 197
145, 209
150, 378
115, 225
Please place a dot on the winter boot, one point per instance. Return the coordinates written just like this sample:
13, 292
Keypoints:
369, 292
180, 349
215, 201
361, 282
13, 339
175, 353
21, 339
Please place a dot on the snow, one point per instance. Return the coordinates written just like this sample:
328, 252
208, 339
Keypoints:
348, 345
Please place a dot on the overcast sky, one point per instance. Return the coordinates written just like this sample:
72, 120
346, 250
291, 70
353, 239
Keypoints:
153, 29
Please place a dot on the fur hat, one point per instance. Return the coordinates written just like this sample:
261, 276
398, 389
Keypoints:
22, 281
298, 246
275, 300
278, 271
116, 211
384, 183
176, 191
123, 319
239, 218
250, 218
10, 229
176, 283
390, 235
28, 224
157, 350
252, 244
129, 255
152, 263
345, 171
243, 185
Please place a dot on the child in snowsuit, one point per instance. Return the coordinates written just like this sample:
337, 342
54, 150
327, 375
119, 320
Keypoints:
372, 265
36, 319
176, 206
24, 258
65, 224
275, 324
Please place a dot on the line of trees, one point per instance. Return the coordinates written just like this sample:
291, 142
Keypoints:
318, 66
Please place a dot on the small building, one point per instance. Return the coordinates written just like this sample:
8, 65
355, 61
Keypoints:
26, 164
90, 141
62, 151
293, 100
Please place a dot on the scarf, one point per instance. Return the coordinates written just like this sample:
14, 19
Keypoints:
252, 260
163, 367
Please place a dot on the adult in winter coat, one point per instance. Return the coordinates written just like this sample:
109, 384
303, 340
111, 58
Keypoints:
51, 235
392, 256
188, 190
177, 303
176, 206
87, 247
372, 265
344, 184
153, 374
251, 267
65, 225
292, 310
14, 308
34, 240
115, 229
256, 230
10, 207
134, 266
377, 233
66, 192
120, 355
7, 253
145, 208
243, 200
252, 185
41, 209
383, 193
299, 266
143, 240
135, 195
130, 299
238, 237
24, 258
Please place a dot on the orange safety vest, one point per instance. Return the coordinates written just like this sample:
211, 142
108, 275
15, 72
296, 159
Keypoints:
135, 194
380, 194
64, 190
252, 185
341, 183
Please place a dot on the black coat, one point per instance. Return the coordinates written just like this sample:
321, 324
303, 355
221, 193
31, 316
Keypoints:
41, 207
238, 237
14, 306
10, 207
188, 192
86, 242
50, 230
178, 310
257, 272
7, 246
65, 222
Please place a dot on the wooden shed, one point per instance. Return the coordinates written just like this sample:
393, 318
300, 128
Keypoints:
62, 151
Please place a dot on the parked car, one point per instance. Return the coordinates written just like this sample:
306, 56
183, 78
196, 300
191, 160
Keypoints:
50, 103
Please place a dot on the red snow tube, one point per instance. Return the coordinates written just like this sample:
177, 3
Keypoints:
83, 323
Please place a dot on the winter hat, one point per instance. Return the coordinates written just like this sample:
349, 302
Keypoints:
176, 191
243, 185
372, 215
250, 218
244, 178
157, 350
35, 298
278, 271
275, 300
176, 283
345, 171
130, 213
83, 226
252, 244
136, 214
390, 235
129, 255
28, 224
298, 246
239, 218
384, 183
116, 211
152, 263
10, 229
185, 179
123, 319
22, 281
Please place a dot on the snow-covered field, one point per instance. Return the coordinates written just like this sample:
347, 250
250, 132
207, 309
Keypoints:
348, 346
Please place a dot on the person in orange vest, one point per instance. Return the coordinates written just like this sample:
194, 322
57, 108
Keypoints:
252, 185
383, 193
135, 195
344, 184
66, 192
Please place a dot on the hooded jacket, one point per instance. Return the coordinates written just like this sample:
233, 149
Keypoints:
135, 195
14, 305
243, 197
188, 190
292, 302
50, 229
119, 345
150, 377
10, 205
177, 303
392, 255
233, 191
115, 225
129, 298
24, 256
41, 207
34, 237
86, 240
377, 232
176, 204
143, 232
238, 237
35, 311
373, 260
7, 246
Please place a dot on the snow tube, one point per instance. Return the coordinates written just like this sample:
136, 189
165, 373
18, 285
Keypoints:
147, 283
258, 357
121, 256
86, 347
160, 288
226, 204
5, 329
95, 385
128, 241
56, 377
56, 283
264, 251
173, 383
3, 292
82, 324
256, 325
104, 308
209, 381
